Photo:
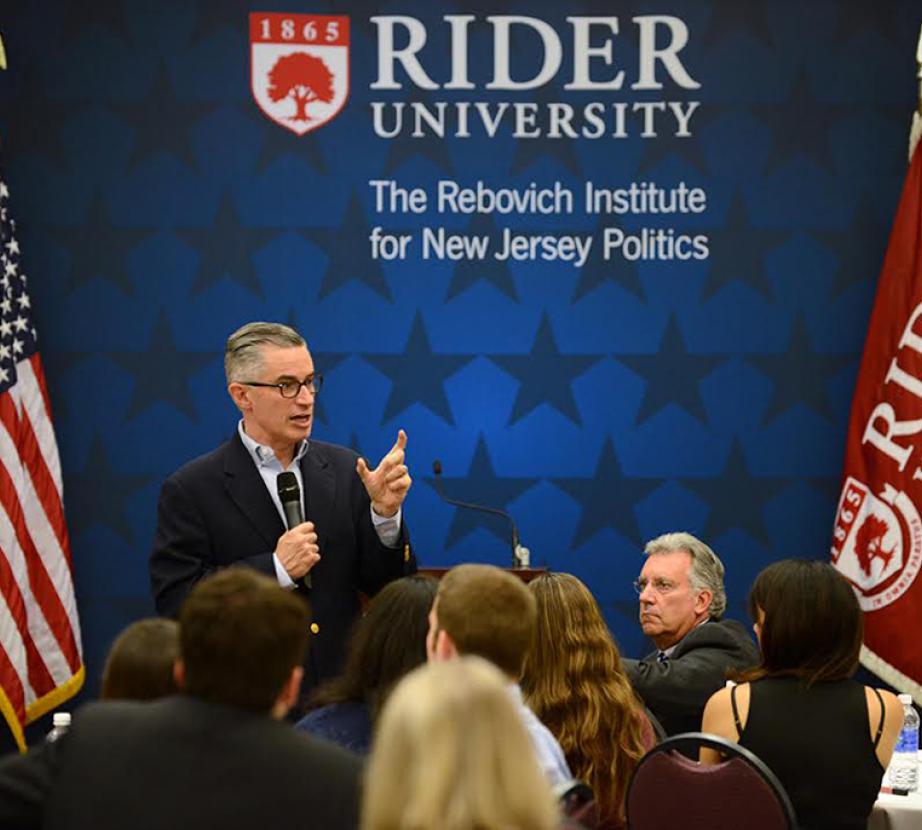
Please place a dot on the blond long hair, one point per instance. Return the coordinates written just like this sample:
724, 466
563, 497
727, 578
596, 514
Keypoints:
575, 683
451, 753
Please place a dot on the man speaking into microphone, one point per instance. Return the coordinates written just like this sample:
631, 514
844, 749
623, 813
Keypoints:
229, 507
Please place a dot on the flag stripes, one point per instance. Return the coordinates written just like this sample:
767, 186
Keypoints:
41, 662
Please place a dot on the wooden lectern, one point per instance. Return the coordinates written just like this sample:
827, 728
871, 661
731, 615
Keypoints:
525, 574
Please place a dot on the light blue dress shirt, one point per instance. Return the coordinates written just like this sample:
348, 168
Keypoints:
269, 467
550, 755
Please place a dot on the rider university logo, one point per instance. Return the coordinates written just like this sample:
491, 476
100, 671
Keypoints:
877, 542
299, 67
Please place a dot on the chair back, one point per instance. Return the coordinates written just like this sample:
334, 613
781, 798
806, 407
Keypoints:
668, 789
658, 732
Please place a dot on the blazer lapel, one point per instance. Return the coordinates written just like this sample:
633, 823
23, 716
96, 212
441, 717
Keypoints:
247, 490
319, 490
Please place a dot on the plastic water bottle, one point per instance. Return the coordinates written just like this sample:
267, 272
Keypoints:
904, 767
61, 723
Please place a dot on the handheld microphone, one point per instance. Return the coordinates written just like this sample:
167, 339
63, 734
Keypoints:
290, 496
520, 554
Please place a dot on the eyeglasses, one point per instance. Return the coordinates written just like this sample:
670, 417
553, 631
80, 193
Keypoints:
292, 388
660, 585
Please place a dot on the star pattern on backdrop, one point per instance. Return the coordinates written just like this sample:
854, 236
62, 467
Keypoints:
417, 375
857, 19
227, 249
858, 248
13, 9
481, 485
545, 375
59, 364
629, 609
325, 363
800, 125
688, 150
479, 8
80, 16
496, 272
828, 487
128, 609
99, 495
597, 270
98, 250
744, 512
38, 124
809, 384
607, 498
162, 123
213, 15
731, 18
403, 147
672, 375
348, 260
529, 151
738, 251
278, 142
897, 117
162, 372
356, 445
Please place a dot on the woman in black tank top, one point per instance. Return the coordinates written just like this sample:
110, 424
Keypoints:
826, 737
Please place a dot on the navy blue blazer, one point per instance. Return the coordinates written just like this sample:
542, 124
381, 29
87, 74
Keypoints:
179, 762
215, 511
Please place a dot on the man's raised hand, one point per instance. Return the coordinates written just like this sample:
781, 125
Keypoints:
388, 483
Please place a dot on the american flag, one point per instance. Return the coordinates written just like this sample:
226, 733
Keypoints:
41, 661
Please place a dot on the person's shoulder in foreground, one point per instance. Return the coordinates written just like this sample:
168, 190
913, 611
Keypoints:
217, 755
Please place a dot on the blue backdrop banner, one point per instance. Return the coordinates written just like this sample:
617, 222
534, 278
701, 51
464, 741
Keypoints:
611, 264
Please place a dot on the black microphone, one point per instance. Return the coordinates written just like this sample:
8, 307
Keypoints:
520, 554
290, 496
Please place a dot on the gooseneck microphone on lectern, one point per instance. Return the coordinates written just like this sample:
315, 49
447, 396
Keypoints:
290, 496
520, 554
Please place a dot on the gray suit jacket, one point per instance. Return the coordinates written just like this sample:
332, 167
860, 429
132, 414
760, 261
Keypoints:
677, 690
179, 762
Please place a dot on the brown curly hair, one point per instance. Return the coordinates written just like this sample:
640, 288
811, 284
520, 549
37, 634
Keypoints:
575, 683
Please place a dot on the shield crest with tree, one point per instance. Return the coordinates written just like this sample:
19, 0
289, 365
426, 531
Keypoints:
299, 67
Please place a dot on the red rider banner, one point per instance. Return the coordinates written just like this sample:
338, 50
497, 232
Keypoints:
877, 539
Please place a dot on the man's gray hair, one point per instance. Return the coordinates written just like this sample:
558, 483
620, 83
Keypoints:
707, 571
243, 352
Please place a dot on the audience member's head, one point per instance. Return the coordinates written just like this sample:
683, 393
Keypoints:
681, 585
242, 640
387, 642
807, 620
575, 683
140, 662
451, 753
484, 611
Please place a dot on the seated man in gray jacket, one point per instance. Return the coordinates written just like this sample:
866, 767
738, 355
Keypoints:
216, 756
682, 602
